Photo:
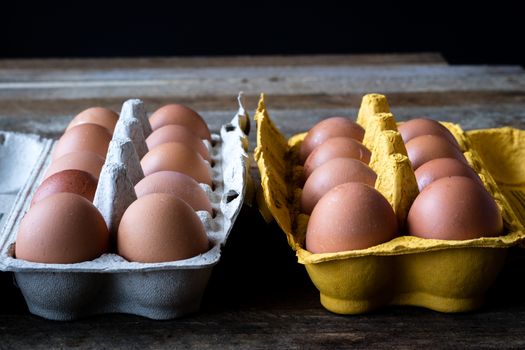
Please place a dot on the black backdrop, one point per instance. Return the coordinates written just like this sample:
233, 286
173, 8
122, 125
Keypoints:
492, 33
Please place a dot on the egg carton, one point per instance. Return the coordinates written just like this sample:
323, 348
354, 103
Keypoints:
110, 284
447, 276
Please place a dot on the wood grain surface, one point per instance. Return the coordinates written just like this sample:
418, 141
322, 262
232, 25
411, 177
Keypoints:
259, 297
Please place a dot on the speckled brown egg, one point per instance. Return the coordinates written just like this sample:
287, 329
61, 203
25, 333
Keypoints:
72, 181
350, 216
328, 128
423, 126
178, 184
176, 156
96, 115
454, 208
84, 137
63, 228
86, 161
442, 167
427, 147
180, 115
332, 173
336, 147
160, 227
177, 133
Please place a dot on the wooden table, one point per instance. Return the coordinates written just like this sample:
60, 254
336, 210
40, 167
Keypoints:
259, 297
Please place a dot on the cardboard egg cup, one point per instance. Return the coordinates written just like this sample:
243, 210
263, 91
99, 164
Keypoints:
443, 275
110, 284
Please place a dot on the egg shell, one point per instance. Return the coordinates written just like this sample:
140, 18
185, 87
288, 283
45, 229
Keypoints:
442, 167
328, 128
177, 133
160, 227
62, 228
176, 156
335, 147
423, 126
96, 115
350, 216
454, 208
178, 184
180, 115
84, 137
332, 173
424, 148
84, 160
71, 181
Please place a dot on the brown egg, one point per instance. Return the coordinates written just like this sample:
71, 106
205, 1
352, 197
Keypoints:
177, 133
176, 156
350, 216
160, 227
336, 147
328, 128
96, 115
422, 126
180, 115
178, 184
84, 137
72, 181
332, 173
454, 208
442, 167
63, 228
86, 161
427, 147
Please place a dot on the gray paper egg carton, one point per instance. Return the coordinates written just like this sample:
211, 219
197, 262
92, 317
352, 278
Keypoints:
110, 284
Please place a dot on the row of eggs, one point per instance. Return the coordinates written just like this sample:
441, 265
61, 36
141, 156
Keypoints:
347, 213
63, 226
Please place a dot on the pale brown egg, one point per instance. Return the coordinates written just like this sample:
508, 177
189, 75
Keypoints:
96, 115
423, 126
177, 133
180, 115
84, 137
86, 161
443, 167
454, 208
71, 180
176, 156
332, 173
350, 216
63, 228
178, 184
427, 147
328, 128
160, 227
336, 147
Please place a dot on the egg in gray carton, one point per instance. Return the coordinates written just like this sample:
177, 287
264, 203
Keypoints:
111, 284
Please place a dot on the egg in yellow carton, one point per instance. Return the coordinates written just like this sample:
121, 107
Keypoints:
378, 240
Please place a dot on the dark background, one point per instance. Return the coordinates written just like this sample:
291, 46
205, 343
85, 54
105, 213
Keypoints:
478, 33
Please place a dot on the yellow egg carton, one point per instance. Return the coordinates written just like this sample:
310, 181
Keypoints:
443, 275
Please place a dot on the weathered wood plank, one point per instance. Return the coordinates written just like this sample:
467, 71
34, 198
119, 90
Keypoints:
25, 108
272, 80
225, 61
52, 122
275, 328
